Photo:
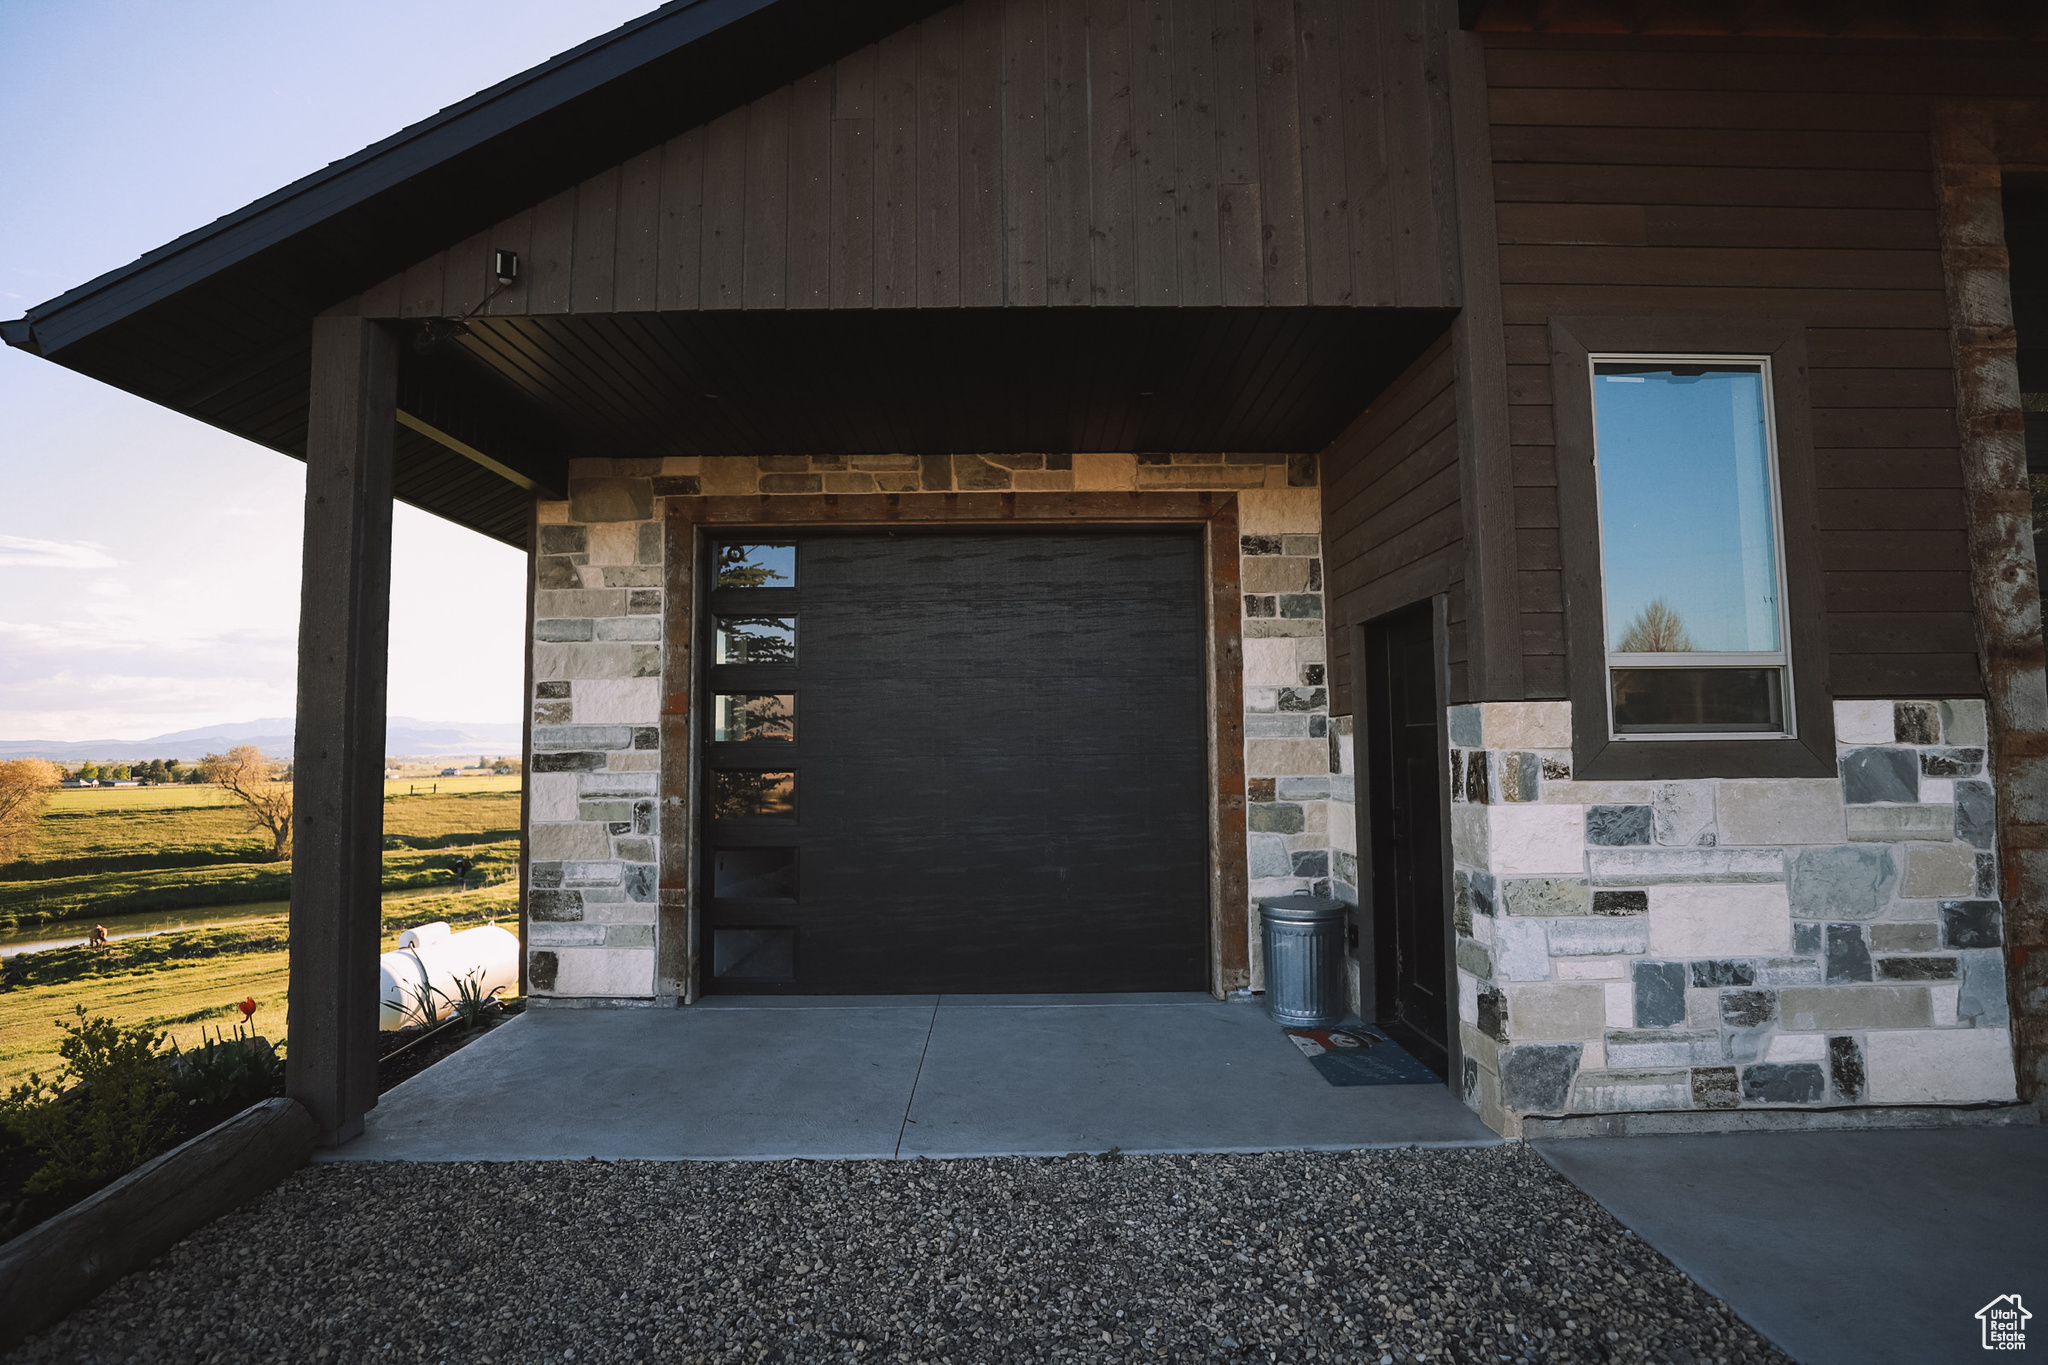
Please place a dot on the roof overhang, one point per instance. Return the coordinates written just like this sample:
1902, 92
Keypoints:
339, 230
217, 323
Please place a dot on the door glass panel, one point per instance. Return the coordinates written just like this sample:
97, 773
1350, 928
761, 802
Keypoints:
754, 874
756, 566
741, 716
757, 639
746, 794
753, 954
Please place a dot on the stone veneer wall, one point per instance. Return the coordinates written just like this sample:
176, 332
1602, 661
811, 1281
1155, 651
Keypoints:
1733, 943
593, 845
593, 875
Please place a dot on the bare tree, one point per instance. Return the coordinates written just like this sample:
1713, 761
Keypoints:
1656, 630
260, 786
25, 787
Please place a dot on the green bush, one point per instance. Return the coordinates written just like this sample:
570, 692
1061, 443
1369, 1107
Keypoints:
108, 1110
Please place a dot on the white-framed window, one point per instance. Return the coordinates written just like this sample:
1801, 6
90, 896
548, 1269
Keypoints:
1692, 550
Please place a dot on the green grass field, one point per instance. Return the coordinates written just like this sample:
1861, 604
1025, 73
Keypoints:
124, 850
186, 984
128, 849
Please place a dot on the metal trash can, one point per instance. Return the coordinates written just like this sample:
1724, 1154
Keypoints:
1302, 938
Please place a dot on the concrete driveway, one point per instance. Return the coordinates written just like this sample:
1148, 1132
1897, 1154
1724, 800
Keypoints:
1848, 1248
865, 1077
1844, 1248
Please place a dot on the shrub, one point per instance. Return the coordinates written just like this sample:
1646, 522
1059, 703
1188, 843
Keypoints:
108, 1110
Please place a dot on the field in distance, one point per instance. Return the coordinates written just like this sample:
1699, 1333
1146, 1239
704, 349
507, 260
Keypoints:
127, 850
185, 853
186, 982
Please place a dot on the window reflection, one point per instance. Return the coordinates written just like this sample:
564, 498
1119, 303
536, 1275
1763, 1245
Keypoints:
757, 639
756, 566
745, 794
742, 716
1687, 534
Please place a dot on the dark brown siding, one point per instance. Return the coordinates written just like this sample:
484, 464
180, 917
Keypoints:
1764, 180
1393, 526
1023, 152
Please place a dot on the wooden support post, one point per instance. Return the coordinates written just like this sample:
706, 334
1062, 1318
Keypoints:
1493, 620
344, 632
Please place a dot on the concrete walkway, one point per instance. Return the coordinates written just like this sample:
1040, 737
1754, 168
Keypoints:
934, 1076
1858, 1248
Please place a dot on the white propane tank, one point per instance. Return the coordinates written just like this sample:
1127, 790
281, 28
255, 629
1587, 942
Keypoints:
424, 935
490, 954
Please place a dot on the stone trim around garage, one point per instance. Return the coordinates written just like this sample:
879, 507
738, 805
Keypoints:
612, 918
1728, 944
592, 817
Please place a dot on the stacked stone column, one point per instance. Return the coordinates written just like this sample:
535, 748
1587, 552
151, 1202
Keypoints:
597, 660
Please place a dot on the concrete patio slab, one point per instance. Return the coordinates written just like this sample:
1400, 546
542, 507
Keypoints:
659, 1085
1037, 1076
1857, 1248
844, 1078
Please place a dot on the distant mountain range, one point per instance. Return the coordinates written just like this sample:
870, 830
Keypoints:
402, 735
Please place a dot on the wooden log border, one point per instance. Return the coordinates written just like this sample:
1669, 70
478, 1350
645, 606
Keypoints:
63, 1264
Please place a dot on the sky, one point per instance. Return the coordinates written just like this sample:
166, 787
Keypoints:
1685, 504
149, 564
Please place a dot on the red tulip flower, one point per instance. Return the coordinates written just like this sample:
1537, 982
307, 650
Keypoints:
248, 1008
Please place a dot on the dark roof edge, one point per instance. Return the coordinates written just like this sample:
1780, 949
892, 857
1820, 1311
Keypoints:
185, 260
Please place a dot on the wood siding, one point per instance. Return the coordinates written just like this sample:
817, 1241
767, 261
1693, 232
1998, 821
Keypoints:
1393, 527
1781, 181
1022, 153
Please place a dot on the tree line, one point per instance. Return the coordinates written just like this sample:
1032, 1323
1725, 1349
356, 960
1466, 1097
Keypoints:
261, 785
156, 770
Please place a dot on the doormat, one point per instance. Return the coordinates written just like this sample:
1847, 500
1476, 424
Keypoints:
1359, 1056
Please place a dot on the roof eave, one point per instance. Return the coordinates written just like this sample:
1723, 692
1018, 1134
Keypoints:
20, 333
503, 108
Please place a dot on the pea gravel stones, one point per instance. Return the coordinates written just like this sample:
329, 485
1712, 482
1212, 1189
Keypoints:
1376, 1256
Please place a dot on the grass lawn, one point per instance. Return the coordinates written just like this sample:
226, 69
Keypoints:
107, 851
123, 850
187, 983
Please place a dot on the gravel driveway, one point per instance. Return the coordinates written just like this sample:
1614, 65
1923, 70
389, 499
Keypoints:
1467, 1255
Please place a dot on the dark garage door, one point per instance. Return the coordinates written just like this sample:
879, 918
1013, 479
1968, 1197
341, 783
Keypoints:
957, 763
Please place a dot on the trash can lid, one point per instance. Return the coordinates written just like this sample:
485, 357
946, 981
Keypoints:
1303, 909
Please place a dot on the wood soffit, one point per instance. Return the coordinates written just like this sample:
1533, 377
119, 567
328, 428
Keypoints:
1273, 380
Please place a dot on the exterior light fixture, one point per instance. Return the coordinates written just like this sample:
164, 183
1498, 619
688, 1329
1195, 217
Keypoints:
436, 332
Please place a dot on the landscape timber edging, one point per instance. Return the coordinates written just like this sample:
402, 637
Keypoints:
63, 1263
